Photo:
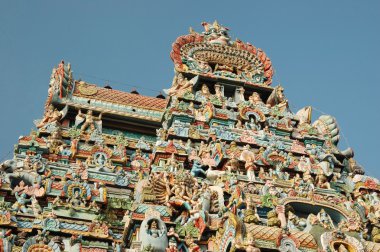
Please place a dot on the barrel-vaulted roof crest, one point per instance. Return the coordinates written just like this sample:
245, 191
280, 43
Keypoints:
212, 53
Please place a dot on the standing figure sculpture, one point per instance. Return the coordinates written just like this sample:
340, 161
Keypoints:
89, 120
20, 204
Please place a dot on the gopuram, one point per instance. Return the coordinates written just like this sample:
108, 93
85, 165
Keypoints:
221, 164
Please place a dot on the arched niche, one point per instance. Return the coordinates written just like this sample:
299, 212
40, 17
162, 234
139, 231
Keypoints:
303, 209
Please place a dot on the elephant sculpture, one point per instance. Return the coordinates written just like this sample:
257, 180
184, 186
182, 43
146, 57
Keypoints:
14, 171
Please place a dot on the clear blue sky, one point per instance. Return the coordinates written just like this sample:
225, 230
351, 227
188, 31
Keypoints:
325, 53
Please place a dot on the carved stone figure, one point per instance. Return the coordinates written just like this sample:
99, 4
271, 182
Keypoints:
173, 240
249, 158
273, 220
52, 115
153, 230
89, 121
255, 99
277, 98
296, 223
76, 199
204, 94
180, 86
251, 244
20, 204
250, 214
322, 181
325, 220
172, 165
191, 245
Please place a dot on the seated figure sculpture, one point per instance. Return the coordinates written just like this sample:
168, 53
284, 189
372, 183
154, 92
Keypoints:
153, 230
255, 99
52, 115
325, 220
76, 199
180, 86
204, 94
250, 214
296, 223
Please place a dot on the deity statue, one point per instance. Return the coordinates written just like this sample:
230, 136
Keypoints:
236, 200
20, 204
304, 164
191, 245
249, 158
204, 94
277, 98
250, 214
255, 99
76, 199
180, 86
325, 220
199, 215
108, 166
296, 223
52, 115
173, 240
203, 66
218, 98
251, 244
90, 161
376, 234
74, 147
127, 218
36, 208
232, 164
306, 186
238, 124
81, 170
89, 120
172, 165
321, 180
273, 220
153, 229
327, 164
55, 142
252, 124
181, 198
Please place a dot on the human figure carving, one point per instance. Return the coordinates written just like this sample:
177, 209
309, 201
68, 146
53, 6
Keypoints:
89, 120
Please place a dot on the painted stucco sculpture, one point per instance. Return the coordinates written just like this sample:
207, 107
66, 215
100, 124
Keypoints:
220, 164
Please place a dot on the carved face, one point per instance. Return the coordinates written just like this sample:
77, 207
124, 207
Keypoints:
180, 78
154, 225
51, 109
205, 89
217, 89
256, 97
